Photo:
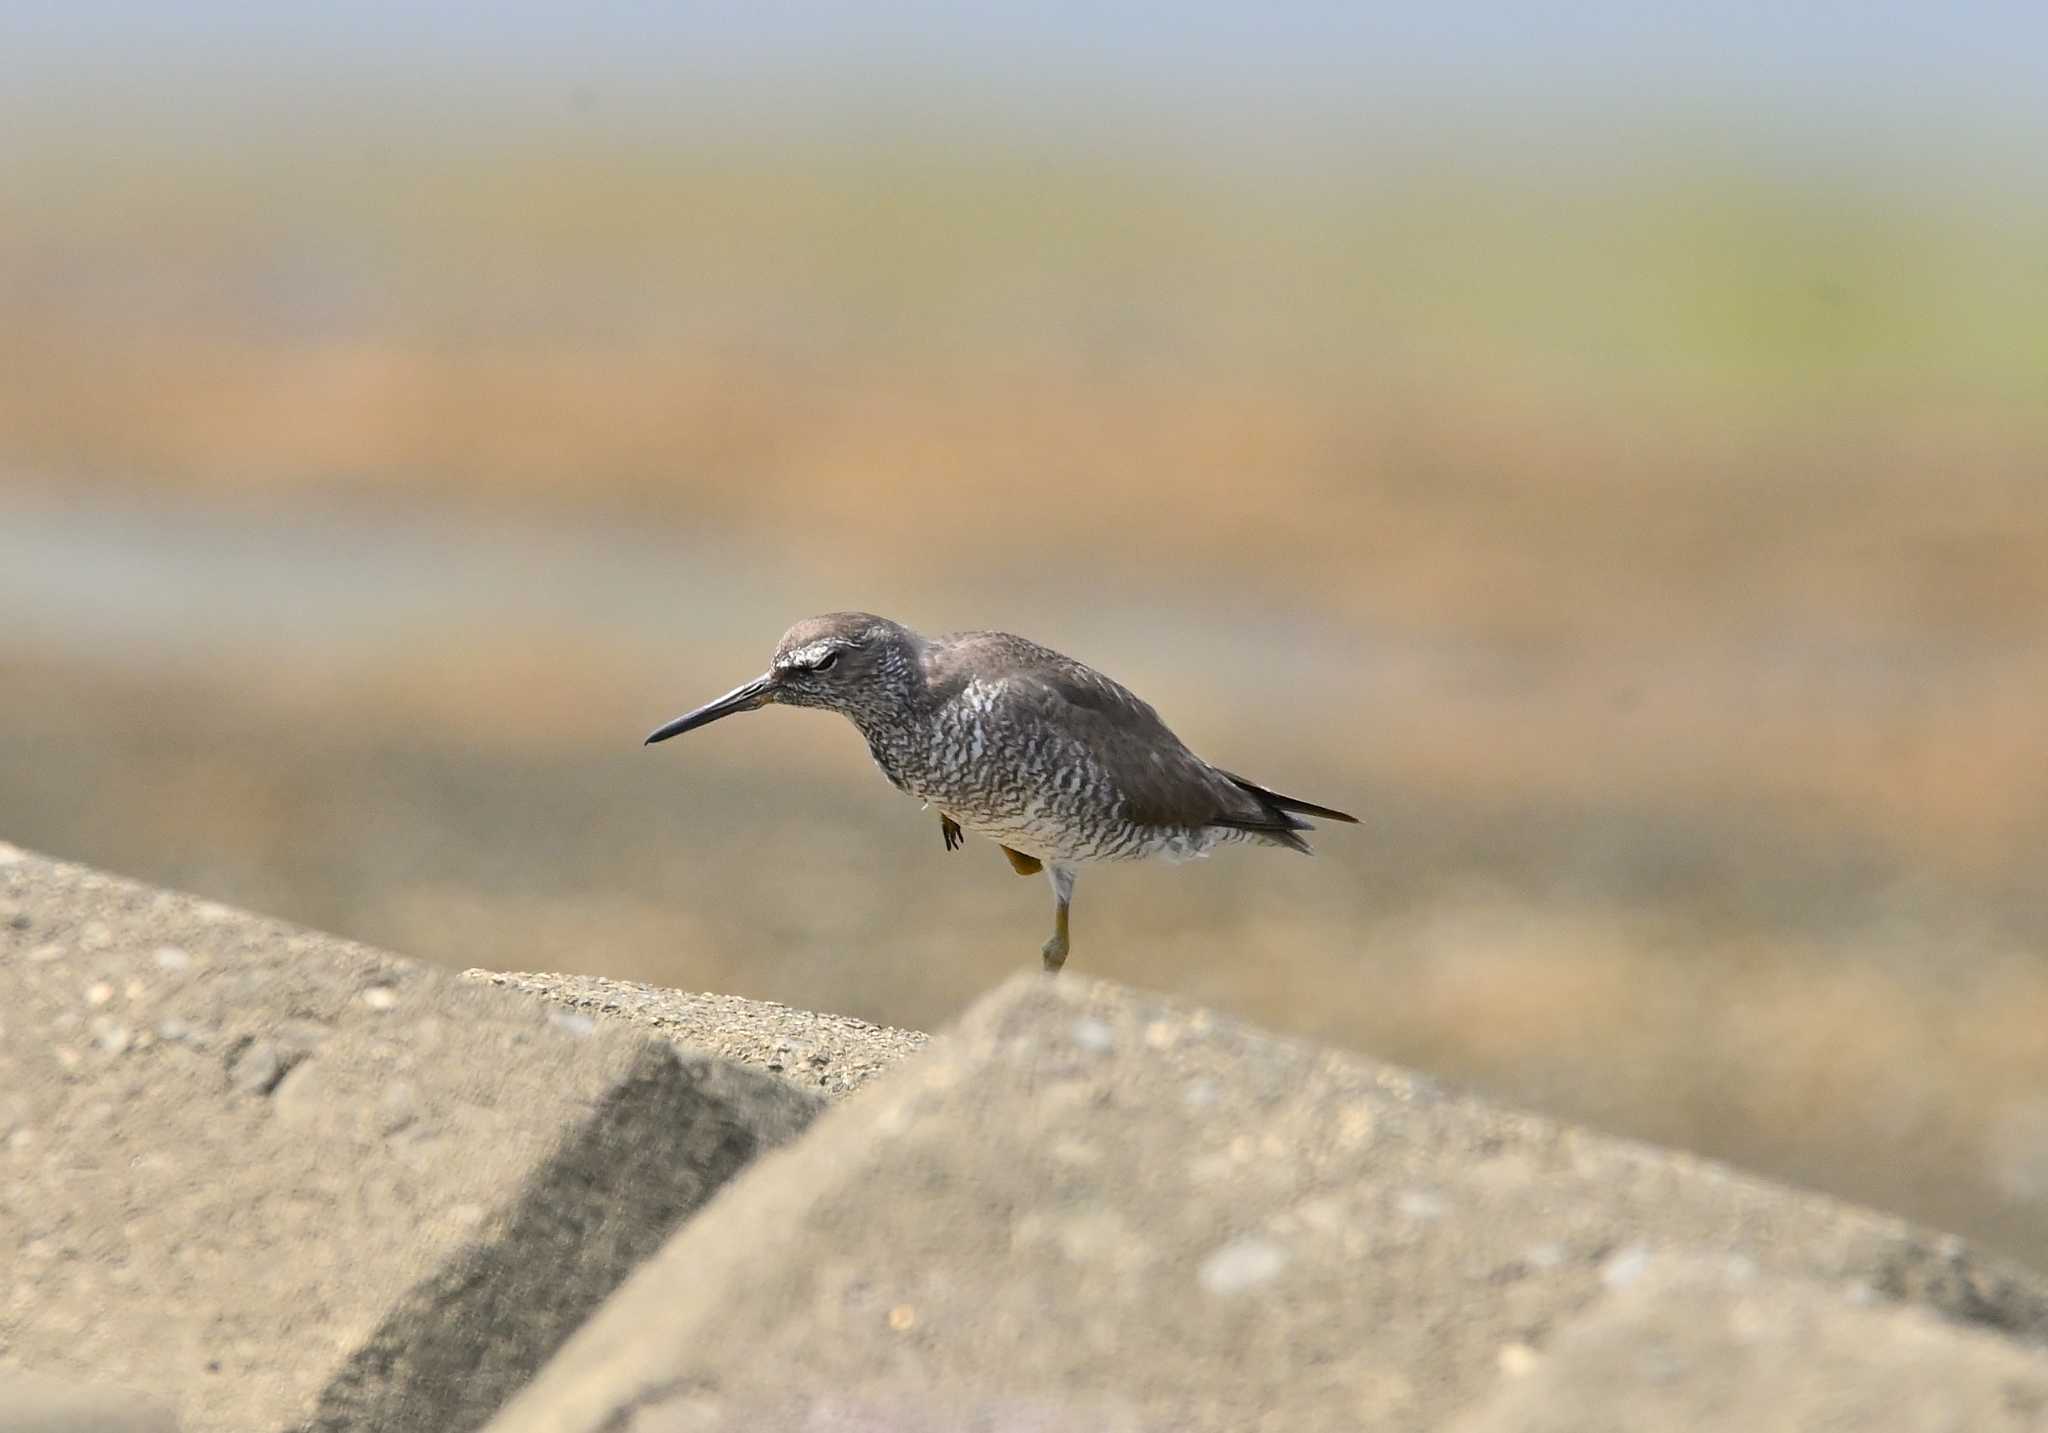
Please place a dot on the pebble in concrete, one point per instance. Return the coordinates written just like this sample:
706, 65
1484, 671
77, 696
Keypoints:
1242, 1264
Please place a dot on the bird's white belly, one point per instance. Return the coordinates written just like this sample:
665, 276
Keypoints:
1035, 834
1032, 832
1062, 810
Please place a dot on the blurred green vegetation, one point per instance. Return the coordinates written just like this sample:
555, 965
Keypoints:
1737, 276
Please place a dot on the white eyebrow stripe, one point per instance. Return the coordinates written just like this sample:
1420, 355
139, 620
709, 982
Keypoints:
809, 655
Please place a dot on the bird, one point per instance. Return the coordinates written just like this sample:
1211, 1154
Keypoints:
1056, 763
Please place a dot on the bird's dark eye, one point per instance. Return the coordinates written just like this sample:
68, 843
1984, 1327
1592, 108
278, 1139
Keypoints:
825, 663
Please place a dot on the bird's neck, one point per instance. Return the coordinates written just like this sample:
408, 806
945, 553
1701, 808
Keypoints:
899, 698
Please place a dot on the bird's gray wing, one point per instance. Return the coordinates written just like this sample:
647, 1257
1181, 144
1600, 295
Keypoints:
1162, 782
1050, 696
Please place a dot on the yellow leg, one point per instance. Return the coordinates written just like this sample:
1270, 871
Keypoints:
1055, 951
1022, 864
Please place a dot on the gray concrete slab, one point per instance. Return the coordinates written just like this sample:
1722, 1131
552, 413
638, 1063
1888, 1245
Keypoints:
1086, 1207
833, 1055
271, 1175
38, 1403
1710, 1346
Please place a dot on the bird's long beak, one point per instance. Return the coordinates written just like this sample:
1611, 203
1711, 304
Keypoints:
756, 693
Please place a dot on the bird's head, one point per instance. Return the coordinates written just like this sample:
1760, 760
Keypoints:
850, 662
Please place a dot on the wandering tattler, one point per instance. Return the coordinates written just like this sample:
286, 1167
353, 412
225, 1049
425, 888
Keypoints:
1048, 758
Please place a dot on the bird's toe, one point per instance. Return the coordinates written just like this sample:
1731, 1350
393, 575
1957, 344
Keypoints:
1055, 953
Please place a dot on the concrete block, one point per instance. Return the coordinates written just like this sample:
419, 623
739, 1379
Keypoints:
278, 1178
832, 1055
1709, 1346
1086, 1207
36, 1403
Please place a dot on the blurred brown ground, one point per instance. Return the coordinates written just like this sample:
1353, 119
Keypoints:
1659, 565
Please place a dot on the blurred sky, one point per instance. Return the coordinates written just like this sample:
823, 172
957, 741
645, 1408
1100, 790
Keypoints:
1892, 78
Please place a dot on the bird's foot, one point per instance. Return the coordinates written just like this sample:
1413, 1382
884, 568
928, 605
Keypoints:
1055, 953
950, 829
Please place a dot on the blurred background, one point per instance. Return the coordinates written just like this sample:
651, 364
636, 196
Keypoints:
1602, 445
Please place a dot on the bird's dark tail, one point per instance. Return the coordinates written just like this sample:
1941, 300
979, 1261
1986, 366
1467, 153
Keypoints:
1288, 803
1279, 817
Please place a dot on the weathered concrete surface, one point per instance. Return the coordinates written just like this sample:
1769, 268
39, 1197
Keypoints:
1704, 1347
1088, 1208
35, 1403
241, 1163
832, 1054
658, 1143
